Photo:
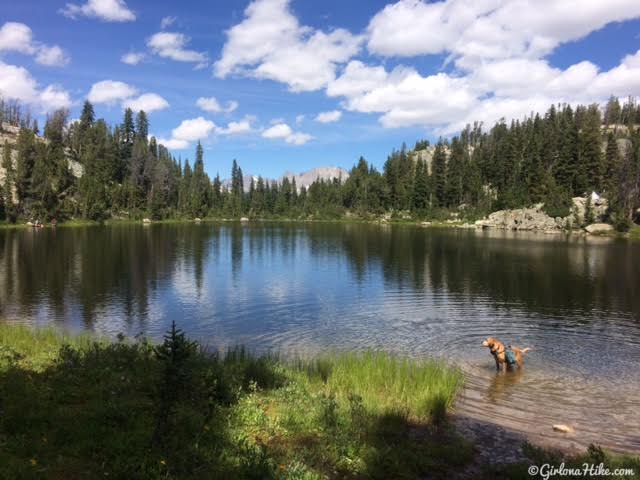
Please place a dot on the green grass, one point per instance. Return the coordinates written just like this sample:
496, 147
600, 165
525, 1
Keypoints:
76, 407
634, 233
36, 349
416, 389
9, 225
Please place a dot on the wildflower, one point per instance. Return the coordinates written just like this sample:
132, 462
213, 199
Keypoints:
33, 462
162, 462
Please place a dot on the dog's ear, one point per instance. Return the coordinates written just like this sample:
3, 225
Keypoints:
488, 342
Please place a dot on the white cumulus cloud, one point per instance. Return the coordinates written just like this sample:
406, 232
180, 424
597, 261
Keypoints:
174, 46
52, 56
54, 97
499, 50
173, 143
149, 102
211, 104
17, 83
271, 44
473, 31
106, 10
188, 131
284, 132
111, 91
18, 37
329, 117
200, 128
166, 22
236, 128
494, 53
132, 58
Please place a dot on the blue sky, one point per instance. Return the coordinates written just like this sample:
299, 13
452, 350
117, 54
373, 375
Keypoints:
264, 71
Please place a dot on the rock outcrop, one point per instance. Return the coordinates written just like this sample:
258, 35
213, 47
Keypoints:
522, 219
596, 228
535, 219
9, 137
599, 207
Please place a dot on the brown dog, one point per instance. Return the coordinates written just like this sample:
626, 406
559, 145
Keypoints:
498, 350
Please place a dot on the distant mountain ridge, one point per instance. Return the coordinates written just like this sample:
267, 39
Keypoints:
303, 179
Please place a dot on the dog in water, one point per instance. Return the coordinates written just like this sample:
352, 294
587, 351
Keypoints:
503, 356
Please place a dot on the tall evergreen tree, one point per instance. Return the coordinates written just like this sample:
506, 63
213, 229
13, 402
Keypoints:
455, 173
591, 173
420, 187
439, 174
87, 117
612, 164
142, 126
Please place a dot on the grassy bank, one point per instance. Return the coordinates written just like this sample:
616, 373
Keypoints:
74, 407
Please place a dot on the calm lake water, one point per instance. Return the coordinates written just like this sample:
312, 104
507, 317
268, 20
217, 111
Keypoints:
307, 287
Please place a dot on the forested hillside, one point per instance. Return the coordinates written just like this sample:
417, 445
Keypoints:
88, 169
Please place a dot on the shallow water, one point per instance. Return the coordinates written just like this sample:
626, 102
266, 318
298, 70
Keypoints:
415, 291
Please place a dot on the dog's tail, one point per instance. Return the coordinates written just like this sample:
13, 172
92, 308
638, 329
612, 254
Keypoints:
525, 350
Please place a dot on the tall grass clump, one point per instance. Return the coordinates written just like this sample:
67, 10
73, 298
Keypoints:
36, 348
419, 388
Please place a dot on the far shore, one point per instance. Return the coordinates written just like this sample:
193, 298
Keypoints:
632, 234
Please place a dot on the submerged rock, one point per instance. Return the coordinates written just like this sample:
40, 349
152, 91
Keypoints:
560, 427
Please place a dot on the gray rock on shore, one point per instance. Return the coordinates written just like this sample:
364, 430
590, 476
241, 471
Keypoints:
596, 228
521, 219
535, 219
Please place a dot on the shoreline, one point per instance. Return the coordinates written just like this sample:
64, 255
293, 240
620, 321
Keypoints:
319, 393
632, 234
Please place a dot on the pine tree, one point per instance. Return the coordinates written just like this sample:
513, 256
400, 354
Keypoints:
420, 187
6, 188
439, 175
591, 151
612, 112
217, 193
199, 186
142, 126
566, 169
26, 148
455, 172
612, 160
43, 200
237, 189
87, 117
